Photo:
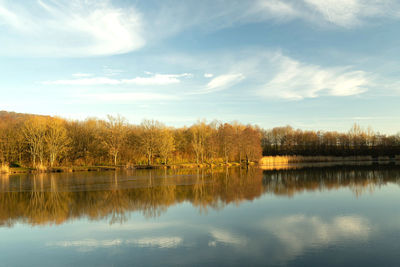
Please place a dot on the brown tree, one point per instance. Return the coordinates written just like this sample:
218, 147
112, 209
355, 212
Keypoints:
56, 138
114, 136
34, 131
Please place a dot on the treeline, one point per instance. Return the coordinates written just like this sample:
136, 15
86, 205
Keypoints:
43, 141
356, 142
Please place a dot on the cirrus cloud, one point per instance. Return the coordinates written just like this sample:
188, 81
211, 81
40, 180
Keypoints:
155, 79
297, 80
69, 29
221, 82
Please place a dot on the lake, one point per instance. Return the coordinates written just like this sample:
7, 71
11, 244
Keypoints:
295, 216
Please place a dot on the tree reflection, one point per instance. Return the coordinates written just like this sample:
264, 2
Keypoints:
56, 198
358, 179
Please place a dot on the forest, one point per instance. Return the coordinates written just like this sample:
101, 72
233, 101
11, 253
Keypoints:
356, 142
43, 141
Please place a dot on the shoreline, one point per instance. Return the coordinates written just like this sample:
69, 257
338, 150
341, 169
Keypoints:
266, 162
21, 170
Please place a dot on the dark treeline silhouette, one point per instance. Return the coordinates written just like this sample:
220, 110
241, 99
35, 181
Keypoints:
356, 142
44, 141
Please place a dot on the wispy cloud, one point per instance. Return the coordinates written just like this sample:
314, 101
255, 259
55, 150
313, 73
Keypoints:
213, 15
225, 80
83, 28
70, 28
272, 74
155, 79
341, 13
350, 13
296, 80
221, 82
126, 97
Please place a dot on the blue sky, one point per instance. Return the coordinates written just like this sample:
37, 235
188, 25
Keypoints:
312, 64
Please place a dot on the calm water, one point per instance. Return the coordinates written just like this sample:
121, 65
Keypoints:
330, 216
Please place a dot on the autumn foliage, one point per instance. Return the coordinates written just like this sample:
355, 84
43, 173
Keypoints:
43, 141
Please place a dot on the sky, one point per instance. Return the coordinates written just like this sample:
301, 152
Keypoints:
311, 64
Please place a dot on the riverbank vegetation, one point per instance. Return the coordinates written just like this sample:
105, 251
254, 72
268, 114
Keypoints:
51, 143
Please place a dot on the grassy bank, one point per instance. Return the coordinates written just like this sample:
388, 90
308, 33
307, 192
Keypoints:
279, 160
15, 170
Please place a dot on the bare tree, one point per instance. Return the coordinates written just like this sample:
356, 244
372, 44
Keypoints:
149, 138
34, 131
166, 144
226, 140
56, 138
199, 136
114, 136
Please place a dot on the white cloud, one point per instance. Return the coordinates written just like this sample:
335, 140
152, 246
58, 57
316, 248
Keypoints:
208, 75
82, 28
296, 80
350, 13
222, 82
127, 97
276, 9
341, 12
155, 79
70, 28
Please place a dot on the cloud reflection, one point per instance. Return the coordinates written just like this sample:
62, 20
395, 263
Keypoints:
91, 244
227, 238
298, 233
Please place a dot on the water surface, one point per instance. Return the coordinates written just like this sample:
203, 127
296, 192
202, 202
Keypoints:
331, 216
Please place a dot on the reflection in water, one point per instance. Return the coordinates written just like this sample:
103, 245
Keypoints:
358, 179
298, 232
90, 244
56, 198
225, 217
